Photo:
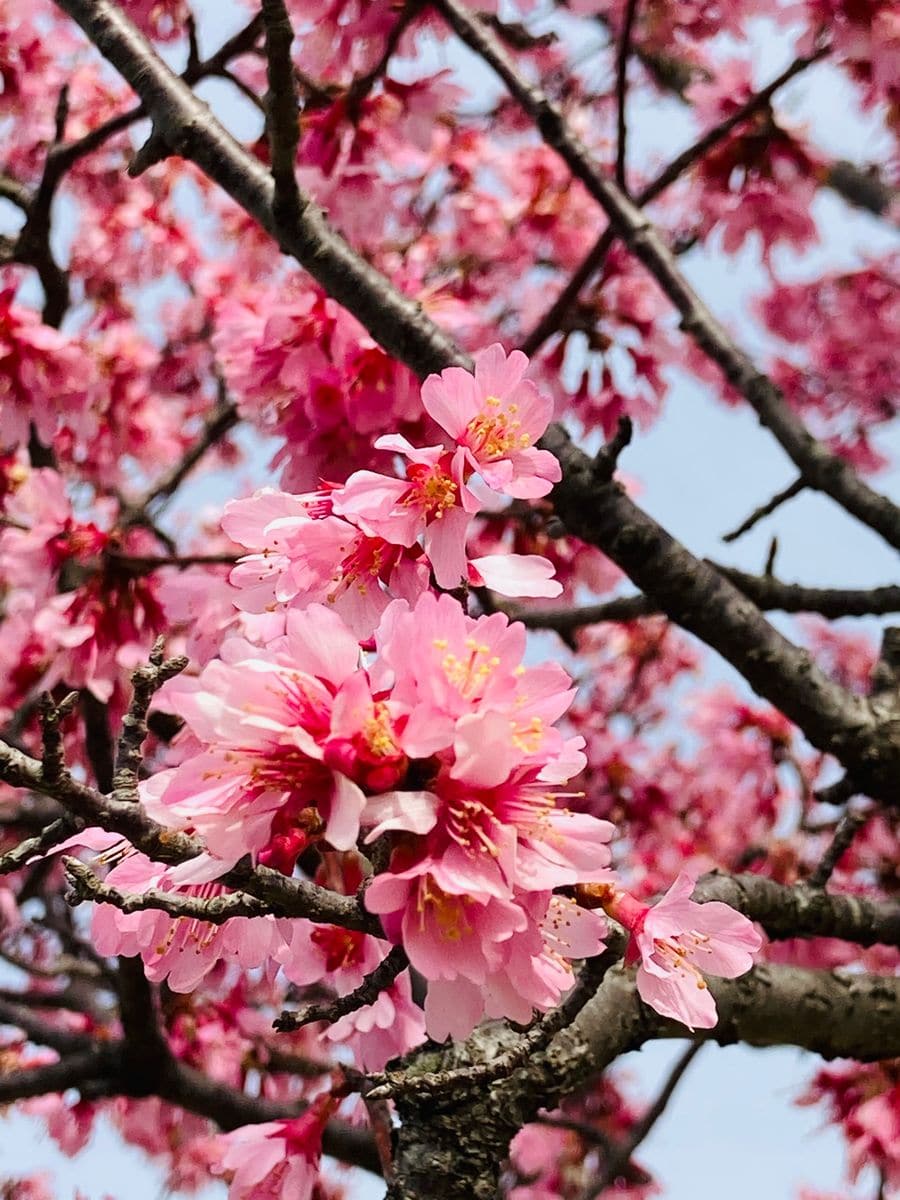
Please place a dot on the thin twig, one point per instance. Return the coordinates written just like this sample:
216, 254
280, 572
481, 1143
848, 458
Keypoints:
618, 1162
765, 510
216, 910
847, 828
360, 88
223, 417
146, 682
622, 57
367, 993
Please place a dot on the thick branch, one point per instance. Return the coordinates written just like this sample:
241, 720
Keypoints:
766, 592
695, 595
281, 113
838, 1016
788, 912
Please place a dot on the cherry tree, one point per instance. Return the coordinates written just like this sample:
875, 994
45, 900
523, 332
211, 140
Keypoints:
379, 808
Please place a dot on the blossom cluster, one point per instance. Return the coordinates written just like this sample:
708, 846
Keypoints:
386, 725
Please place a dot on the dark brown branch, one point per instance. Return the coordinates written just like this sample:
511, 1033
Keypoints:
282, 122
52, 1077
622, 56
765, 510
146, 682
51, 717
695, 595
216, 910
367, 993
847, 828
767, 593
56, 832
820, 468
63, 1041
805, 910
836, 1015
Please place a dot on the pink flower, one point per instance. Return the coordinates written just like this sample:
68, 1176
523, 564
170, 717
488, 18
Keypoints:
278, 1160
495, 417
427, 504
180, 951
306, 555
679, 942
262, 723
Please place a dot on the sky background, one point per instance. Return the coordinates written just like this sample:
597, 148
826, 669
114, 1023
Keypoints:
733, 1127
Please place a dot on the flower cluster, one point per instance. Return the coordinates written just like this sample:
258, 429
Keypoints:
389, 718
376, 537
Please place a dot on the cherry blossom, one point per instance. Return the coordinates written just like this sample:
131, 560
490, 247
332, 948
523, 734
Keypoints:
679, 942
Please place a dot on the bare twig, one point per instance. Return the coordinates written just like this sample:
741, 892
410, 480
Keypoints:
367, 993
361, 87
146, 682
847, 828
51, 717
622, 56
765, 510
618, 1161
85, 885
223, 418
33, 847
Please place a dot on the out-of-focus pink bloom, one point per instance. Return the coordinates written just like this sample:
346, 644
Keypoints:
495, 416
679, 942
278, 1160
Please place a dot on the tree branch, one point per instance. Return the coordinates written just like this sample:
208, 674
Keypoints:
820, 468
622, 56
367, 993
765, 510
695, 595
282, 124
804, 910
618, 1160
